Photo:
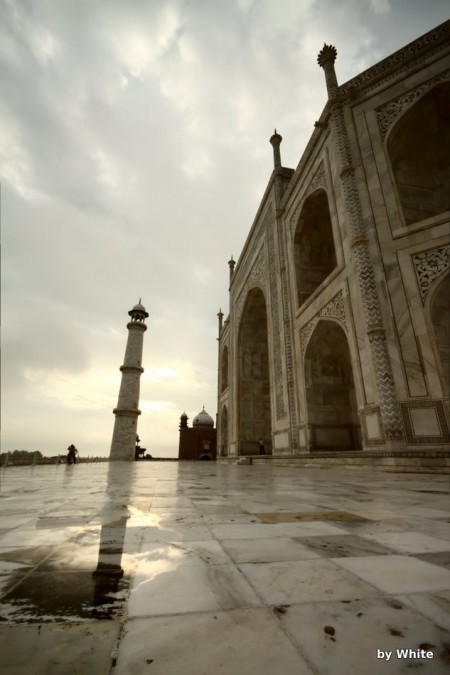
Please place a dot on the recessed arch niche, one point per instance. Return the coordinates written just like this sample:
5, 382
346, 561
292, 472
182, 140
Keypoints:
330, 391
224, 431
253, 404
314, 251
224, 368
419, 151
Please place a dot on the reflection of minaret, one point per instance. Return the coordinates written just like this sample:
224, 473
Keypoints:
127, 411
108, 575
109, 572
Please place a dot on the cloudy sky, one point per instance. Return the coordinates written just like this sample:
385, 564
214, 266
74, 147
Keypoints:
134, 145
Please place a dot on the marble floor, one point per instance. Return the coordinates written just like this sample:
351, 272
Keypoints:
166, 568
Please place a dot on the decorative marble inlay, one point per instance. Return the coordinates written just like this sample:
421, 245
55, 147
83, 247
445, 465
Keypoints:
318, 180
411, 434
389, 406
335, 309
388, 113
430, 265
394, 65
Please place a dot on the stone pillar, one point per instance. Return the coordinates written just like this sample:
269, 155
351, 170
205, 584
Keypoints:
389, 405
127, 411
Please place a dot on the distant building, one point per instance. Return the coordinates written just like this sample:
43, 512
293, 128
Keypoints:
198, 442
338, 333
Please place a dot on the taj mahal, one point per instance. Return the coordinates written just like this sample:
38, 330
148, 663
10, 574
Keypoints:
337, 337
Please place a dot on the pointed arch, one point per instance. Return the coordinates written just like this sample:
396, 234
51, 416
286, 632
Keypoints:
224, 369
419, 151
253, 403
224, 431
330, 390
314, 250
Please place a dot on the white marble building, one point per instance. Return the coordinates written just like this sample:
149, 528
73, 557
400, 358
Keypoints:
338, 333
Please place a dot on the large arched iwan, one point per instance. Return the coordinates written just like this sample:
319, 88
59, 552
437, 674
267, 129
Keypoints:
419, 151
314, 251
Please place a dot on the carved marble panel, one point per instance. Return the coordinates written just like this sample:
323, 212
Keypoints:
334, 309
420, 50
430, 265
388, 113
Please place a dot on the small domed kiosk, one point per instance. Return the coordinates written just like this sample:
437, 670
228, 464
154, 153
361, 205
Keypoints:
199, 442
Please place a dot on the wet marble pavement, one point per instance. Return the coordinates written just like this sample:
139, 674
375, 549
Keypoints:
166, 568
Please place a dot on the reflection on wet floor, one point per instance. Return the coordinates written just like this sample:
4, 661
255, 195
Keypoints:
125, 567
61, 583
63, 596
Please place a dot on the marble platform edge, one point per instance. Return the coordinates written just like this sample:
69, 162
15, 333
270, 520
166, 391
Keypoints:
406, 461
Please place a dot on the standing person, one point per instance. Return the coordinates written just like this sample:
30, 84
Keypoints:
262, 450
71, 454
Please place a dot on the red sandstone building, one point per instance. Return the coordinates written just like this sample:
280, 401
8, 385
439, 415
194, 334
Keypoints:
198, 442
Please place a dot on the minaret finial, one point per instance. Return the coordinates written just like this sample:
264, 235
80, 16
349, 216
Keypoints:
231, 265
220, 317
276, 141
326, 59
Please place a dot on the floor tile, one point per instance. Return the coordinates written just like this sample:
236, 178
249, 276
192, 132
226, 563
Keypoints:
244, 641
58, 649
171, 586
303, 581
267, 550
397, 573
410, 542
306, 516
343, 638
345, 545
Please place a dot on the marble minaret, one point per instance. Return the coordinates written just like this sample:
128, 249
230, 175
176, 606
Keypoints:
127, 411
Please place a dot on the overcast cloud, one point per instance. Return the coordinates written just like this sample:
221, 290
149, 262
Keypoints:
134, 145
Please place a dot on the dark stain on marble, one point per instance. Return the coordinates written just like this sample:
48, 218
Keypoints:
343, 546
445, 652
294, 517
442, 558
396, 632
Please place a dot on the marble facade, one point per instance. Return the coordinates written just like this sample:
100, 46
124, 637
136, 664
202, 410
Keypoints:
338, 332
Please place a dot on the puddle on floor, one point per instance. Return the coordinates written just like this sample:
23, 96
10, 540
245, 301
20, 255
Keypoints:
42, 597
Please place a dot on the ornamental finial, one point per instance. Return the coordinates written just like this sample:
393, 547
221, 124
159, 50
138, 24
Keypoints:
327, 53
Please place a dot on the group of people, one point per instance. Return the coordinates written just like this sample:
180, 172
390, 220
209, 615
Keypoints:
72, 453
